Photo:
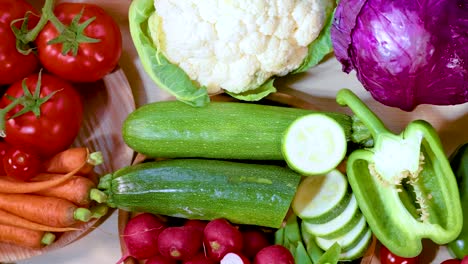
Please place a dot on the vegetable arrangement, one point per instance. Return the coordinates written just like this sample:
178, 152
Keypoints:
406, 180
51, 203
269, 40
204, 189
222, 130
205, 155
330, 221
47, 186
329, 214
177, 240
78, 42
415, 52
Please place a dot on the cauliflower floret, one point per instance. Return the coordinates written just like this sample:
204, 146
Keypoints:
237, 45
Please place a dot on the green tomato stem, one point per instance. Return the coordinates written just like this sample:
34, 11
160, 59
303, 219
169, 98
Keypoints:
47, 15
4, 111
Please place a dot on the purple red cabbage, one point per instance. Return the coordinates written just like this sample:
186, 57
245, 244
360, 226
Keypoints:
405, 52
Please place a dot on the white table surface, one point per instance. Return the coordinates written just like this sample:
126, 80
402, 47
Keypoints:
320, 84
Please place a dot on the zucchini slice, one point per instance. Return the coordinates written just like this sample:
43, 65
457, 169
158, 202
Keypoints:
348, 240
338, 225
321, 198
314, 144
359, 249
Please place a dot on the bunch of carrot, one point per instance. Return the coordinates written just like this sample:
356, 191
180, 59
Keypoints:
57, 200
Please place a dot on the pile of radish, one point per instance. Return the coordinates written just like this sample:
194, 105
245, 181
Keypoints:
157, 240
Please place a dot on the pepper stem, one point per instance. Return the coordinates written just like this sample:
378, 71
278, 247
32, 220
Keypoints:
346, 97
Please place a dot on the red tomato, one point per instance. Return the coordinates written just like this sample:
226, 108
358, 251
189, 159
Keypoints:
14, 66
451, 261
21, 163
387, 257
3, 150
59, 121
93, 60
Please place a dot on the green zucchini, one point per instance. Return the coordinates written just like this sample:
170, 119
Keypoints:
219, 130
243, 193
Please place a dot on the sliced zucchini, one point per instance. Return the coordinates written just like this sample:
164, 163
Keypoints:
338, 225
348, 240
334, 212
314, 144
359, 249
346, 228
320, 198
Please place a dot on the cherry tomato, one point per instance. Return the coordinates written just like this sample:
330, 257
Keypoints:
387, 257
93, 60
14, 66
21, 163
58, 123
4, 147
451, 261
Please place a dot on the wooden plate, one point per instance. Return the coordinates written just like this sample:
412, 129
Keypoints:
106, 104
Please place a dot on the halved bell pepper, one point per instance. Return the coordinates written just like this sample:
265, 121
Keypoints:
404, 184
459, 162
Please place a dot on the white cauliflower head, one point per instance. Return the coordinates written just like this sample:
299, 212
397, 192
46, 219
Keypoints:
237, 45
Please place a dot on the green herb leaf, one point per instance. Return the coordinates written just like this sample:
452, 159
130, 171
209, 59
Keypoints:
331, 256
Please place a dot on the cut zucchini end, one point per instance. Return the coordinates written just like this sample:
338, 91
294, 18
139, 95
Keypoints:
314, 144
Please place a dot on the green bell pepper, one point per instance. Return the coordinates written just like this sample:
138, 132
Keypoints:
459, 163
404, 184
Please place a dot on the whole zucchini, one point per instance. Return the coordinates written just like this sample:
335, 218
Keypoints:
219, 130
204, 189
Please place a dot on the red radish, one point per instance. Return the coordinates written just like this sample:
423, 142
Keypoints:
200, 224
234, 258
220, 238
254, 241
141, 236
200, 258
276, 254
180, 242
159, 259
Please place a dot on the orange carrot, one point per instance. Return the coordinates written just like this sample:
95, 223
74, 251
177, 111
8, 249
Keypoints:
7, 218
69, 159
78, 189
50, 211
94, 177
11, 186
25, 237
